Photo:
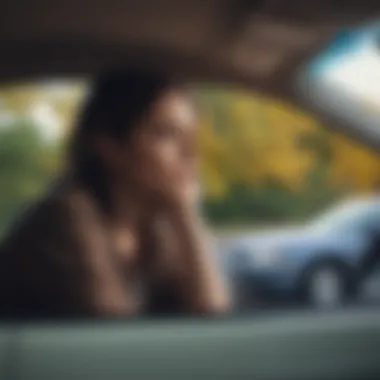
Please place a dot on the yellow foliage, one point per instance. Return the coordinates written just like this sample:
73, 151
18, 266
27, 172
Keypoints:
212, 152
261, 142
353, 165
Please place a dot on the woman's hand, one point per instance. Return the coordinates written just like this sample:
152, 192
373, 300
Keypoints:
177, 198
200, 279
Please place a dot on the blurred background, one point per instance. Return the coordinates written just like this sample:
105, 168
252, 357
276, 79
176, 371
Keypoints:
264, 163
265, 166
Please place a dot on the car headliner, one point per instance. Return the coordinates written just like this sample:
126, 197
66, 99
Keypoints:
257, 43
254, 42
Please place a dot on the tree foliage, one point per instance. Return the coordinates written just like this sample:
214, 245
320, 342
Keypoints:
26, 166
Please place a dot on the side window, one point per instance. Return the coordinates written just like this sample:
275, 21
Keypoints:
267, 171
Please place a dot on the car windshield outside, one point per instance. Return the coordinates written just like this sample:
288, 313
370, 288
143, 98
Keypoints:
266, 168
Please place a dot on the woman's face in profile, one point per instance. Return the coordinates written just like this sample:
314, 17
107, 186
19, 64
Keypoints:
161, 155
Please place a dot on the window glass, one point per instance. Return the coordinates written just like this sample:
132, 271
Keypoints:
272, 179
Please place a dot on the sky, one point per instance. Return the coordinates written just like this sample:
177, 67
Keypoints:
47, 119
359, 74
351, 63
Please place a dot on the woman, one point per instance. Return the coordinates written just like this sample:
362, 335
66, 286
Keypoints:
120, 234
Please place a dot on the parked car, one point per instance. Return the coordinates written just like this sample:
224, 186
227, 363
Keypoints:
322, 263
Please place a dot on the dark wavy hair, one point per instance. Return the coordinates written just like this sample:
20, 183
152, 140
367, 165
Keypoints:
114, 107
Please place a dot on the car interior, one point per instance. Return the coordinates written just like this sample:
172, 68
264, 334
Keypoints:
280, 50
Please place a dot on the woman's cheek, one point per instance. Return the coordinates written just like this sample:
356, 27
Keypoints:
155, 165
165, 157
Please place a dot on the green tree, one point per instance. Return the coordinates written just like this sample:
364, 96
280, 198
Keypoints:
27, 164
